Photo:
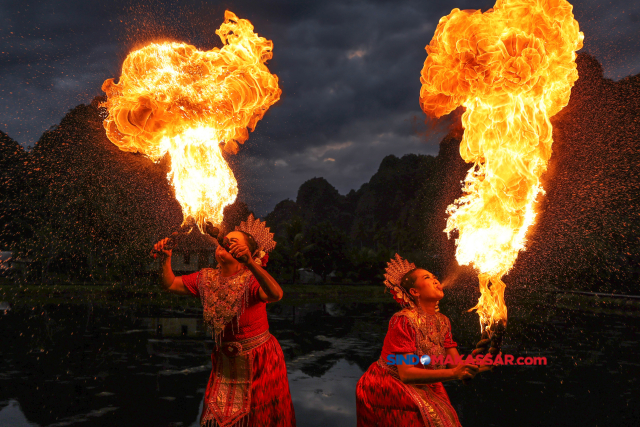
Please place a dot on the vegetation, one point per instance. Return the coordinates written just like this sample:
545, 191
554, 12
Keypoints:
76, 209
151, 296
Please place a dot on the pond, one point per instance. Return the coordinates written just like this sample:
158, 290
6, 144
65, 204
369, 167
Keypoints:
93, 364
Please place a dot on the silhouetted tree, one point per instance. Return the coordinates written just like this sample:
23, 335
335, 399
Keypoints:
327, 248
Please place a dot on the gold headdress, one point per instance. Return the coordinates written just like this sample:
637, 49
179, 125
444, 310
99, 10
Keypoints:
396, 269
261, 235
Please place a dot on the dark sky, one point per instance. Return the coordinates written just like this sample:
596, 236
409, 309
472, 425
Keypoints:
349, 71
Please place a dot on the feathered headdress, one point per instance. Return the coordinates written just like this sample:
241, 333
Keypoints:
261, 235
396, 269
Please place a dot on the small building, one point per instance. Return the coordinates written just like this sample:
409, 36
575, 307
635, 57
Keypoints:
175, 326
190, 261
5, 262
193, 252
11, 265
5, 307
307, 275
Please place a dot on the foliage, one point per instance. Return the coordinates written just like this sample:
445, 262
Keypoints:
326, 251
89, 211
352, 236
79, 209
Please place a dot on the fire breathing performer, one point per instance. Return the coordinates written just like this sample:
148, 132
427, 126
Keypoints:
248, 384
198, 106
412, 395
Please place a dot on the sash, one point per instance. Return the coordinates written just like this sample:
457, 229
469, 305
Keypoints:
230, 389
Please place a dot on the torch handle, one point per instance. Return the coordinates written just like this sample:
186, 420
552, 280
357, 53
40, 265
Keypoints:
184, 229
175, 236
225, 244
243, 259
488, 344
170, 245
212, 231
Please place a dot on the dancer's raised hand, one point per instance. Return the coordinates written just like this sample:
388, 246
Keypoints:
160, 247
465, 372
239, 251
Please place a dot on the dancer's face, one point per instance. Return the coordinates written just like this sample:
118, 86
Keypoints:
426, 287
222, 256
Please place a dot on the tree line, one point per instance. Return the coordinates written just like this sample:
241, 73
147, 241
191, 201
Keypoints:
77, 208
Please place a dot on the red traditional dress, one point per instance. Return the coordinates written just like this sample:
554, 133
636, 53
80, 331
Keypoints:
248, 384
382, 399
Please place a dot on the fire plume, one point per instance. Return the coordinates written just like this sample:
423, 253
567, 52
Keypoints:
173, 98
512, 68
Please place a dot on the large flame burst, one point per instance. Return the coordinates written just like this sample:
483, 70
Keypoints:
173, 98
512, 68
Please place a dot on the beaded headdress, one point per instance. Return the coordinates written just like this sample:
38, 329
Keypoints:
395, 271
261, 235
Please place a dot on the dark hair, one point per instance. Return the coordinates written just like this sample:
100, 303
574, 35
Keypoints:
251, 242
408, 280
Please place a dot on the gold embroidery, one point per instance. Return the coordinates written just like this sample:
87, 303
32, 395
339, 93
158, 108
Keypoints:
425, 408
231, 392
422, 396
430, 335
230, 399
223, 298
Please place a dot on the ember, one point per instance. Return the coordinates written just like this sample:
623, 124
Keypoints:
173, 98
512, 68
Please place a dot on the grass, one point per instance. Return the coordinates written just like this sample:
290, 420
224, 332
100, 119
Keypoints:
153, 296
297, 294
82, 294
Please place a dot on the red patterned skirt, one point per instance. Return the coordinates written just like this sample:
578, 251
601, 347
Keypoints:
249, 390
383, 400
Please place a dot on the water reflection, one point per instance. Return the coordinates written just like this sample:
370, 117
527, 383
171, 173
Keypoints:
11, 415
328, 400
5, 307
93, 364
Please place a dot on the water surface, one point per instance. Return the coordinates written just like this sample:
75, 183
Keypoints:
91, 364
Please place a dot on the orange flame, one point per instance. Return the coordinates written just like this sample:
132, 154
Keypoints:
512, 68
173, 98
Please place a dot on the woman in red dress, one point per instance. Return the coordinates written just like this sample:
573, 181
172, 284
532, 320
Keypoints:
412, 395
248, 384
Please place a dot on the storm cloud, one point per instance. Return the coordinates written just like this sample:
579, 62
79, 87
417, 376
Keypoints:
349, 71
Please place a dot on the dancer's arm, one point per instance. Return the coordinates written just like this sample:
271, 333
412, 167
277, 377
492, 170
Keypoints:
453, 352
410, 374
270, 290
170, 282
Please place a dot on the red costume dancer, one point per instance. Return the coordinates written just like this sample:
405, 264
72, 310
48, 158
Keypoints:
405, 395
248, 384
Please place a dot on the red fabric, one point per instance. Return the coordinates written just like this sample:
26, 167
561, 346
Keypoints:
271, 403
190, 282
401, 338
448, 338
265, 260
252, 321
382, 400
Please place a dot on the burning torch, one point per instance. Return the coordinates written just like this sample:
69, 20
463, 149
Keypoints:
186, 228
196, 106
511, 68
